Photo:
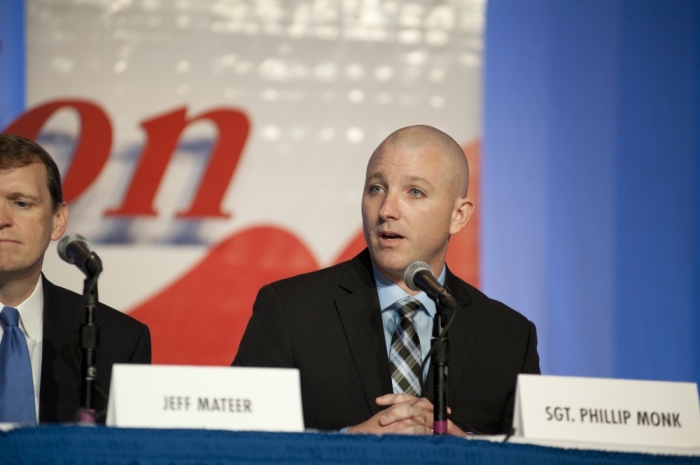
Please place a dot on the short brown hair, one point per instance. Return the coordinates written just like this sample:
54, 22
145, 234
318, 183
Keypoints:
16, 151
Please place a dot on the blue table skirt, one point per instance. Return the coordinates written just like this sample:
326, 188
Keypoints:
102, 445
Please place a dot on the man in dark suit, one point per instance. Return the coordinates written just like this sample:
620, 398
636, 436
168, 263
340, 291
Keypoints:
122, 340
32, 213
357, 333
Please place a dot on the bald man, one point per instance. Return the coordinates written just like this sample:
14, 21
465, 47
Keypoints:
358, 335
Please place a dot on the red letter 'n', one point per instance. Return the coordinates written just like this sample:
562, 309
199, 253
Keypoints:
163, 133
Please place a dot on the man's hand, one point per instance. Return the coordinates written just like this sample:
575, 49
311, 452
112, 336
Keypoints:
405, 414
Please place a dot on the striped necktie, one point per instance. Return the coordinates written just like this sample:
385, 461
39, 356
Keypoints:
405, 354
16, 384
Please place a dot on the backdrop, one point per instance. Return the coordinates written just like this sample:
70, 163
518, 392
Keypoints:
211, 147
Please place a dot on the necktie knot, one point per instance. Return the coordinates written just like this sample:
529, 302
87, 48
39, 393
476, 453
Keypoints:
407, 307
9, 316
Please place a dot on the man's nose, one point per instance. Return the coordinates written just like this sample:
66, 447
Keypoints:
5, 218
390, 209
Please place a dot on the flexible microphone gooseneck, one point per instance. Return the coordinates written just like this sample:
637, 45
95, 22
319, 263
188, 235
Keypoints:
419, 277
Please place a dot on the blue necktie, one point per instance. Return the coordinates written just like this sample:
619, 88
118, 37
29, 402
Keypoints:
16, 384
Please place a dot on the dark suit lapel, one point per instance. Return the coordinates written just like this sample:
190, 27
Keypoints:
60, 364
360, 314
461, 337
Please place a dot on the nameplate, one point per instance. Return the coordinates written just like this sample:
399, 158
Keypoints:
609, 411
167, 396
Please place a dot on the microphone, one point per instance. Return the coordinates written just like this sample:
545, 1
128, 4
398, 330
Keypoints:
74, 249
419, 277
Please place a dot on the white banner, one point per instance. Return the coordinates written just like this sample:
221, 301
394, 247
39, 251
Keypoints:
210, 147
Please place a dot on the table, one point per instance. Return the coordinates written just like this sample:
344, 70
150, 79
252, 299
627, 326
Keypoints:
112, 446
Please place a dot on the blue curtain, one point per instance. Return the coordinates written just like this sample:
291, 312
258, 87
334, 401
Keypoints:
12, 60
591, 188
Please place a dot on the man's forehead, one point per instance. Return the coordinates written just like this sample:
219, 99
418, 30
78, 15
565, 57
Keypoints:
409, 178
413, 159
34, 165
33, 174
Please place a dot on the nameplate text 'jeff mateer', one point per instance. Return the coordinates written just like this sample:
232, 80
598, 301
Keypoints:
234, 398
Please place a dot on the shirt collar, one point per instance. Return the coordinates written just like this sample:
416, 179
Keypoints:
390, 292
31, 312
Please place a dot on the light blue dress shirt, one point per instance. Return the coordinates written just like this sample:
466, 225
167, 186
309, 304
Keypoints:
389, 293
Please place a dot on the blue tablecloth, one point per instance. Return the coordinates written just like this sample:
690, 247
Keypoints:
101, 445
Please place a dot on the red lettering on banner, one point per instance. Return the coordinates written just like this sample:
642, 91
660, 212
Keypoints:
163, 134
94, 142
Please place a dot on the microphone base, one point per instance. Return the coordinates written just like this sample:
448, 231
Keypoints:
86, 416
440, 427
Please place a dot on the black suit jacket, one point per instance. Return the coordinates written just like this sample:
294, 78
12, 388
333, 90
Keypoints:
122, 340
328, 324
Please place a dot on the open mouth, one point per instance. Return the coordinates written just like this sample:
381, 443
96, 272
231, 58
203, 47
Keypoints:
390, 236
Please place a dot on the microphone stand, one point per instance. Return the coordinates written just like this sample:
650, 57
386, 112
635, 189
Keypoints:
441, 357
418, 276
89, 343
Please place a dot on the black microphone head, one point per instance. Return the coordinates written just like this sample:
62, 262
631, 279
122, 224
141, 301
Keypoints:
411, 271
63, 245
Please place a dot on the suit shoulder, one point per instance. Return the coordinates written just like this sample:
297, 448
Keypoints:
319, 279
105, 314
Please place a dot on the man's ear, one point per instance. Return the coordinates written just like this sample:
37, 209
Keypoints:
60, 222
462, 212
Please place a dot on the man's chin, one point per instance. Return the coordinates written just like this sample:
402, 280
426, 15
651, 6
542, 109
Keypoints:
390, 266
17, 270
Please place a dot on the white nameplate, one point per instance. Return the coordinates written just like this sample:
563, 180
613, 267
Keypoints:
611, 411
232, 398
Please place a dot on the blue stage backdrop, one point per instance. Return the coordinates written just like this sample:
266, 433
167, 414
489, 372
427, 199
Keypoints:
12, 60
591, 186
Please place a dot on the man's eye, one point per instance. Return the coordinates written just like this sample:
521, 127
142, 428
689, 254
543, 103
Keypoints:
375, 190
416, 192
21, 204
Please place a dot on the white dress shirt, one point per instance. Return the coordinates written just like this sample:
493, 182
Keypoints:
31, 322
